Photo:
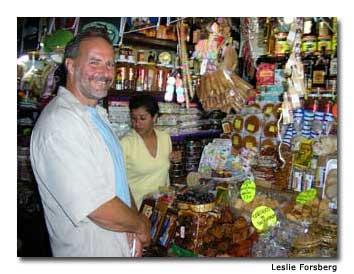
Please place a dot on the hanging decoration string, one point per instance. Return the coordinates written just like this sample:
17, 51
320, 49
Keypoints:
76, 25
158, 23
51, 25
183, 65
280, 141
123, 21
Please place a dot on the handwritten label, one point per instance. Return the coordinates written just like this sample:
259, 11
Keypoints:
306, 196
248, 191
263, 217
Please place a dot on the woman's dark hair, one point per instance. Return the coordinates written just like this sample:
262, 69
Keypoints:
146, 101
73, 46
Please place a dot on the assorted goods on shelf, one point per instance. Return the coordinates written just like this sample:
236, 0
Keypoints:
226, 219
285, 142
173, 119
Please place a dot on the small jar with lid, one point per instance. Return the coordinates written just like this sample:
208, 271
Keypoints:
140, 56
120, 75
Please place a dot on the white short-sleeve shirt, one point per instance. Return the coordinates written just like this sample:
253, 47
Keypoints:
75, 176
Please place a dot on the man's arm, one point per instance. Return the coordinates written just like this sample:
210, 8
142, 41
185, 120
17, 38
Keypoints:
115, 215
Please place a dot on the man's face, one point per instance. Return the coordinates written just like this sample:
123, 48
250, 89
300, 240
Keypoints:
94, 68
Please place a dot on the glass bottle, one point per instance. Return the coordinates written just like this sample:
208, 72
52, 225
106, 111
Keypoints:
320, 68
309, 26
332, 77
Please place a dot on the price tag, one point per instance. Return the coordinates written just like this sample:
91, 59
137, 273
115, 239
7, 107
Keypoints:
306, 196
272, 129
249, 145
248, 191
268, 110
263, 217
235, 141
237, 124
250, 127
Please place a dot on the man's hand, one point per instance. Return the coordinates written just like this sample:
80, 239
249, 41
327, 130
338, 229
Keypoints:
144, 232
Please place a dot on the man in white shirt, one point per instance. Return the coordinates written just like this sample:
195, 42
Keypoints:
78, 164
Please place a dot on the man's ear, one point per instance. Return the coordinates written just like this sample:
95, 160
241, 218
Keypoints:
69, 64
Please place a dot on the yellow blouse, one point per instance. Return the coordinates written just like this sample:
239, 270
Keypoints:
146, 173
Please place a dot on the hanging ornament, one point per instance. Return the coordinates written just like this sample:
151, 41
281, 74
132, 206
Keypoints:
179, 89
170, 88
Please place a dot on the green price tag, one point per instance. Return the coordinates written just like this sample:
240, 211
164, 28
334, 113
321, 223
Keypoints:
263, 217
248, 191
306, 196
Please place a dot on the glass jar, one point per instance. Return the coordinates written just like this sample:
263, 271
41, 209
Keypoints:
129, 83
162, 74
141, 77
121, 75
151, 75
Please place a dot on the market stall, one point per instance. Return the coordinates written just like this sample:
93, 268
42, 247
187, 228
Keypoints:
251, 107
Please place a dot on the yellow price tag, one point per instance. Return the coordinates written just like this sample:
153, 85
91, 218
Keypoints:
249, 145
237, 124
248, 191
269, 110
235, 141
263, 217
250, 127
272, 129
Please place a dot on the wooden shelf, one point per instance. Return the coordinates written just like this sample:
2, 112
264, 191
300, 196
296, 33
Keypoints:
134, 39
125, 95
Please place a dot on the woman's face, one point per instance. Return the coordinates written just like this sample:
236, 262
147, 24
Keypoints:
142, 121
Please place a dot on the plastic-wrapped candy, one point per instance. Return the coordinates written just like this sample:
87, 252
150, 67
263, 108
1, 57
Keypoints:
277, 241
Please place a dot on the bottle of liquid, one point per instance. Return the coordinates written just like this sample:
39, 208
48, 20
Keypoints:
320, 69
332, 77
309, 26
270, 36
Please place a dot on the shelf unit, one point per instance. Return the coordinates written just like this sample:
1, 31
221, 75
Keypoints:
142, 41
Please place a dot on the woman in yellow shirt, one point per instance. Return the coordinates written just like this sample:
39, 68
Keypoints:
146, 149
